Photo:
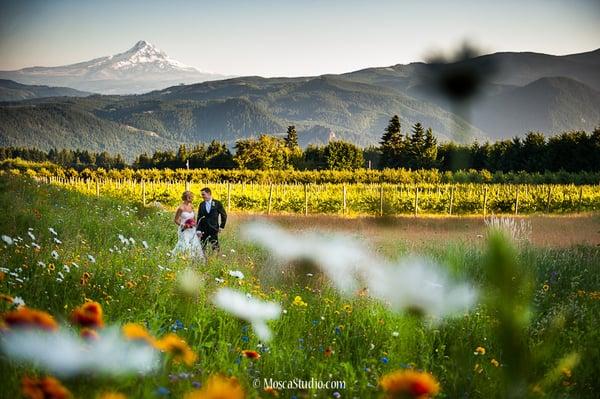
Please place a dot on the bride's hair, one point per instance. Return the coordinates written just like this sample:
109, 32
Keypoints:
187, 196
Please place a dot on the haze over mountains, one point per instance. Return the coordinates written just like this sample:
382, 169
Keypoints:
529, 91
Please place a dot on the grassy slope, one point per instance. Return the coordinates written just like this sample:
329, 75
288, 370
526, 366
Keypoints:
361, 338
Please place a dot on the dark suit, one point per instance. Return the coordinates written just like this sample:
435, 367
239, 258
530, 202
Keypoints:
208, 223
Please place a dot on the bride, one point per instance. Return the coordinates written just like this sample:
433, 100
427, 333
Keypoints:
188, 242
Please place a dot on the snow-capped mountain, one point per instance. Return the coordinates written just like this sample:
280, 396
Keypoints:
140, 69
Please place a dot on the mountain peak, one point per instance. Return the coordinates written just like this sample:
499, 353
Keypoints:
140, 44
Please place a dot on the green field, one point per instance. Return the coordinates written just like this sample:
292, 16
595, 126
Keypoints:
537, 315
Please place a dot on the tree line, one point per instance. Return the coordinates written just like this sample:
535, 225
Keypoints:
418, 148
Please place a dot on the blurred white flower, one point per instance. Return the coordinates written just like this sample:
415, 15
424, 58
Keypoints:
419, 284
413, 284
51, 230
7, 239
236, 274
30, 234
54, 254
66, 354
145, 244
18, 301
219, 280
340, 257
131, 241
33, 244
42, 264
56, 240
255, 311
91, 258
66, 269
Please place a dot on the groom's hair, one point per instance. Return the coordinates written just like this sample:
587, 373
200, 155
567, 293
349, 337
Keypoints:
206, 190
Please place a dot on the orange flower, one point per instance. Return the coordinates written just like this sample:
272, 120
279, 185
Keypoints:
219, 387
328, 351
6, 298
88, 315
409, 384
173, 344
43, 388
30, 318
137, 332
112, 395
480, 350
88, 334
271, 391
85, 278
251, 354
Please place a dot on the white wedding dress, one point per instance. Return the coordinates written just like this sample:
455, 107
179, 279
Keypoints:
188, 243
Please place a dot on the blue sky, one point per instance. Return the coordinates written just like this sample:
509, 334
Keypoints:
289, 38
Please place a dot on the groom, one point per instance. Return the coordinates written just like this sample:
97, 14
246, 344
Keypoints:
208, 219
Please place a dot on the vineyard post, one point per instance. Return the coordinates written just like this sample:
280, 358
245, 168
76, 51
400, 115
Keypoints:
305, 199
517, 201
144, 192
187, 185
344, 199
451, 199
485, 198
228, 196
97, 188
580, 198
270, 199
381, 200
416, 201
549, 199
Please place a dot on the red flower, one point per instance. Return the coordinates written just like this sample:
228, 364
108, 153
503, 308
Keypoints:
88, 315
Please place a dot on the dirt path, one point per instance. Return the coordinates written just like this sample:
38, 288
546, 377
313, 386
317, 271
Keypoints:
555, 231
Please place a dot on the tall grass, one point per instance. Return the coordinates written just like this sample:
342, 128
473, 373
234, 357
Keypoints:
550, 290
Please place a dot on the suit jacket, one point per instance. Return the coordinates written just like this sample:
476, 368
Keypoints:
208, 223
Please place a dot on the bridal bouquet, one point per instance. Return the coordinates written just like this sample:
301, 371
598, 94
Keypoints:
189, 224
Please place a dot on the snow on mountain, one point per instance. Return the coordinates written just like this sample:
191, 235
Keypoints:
140, 69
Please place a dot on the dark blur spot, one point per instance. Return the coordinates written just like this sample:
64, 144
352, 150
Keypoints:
460, 77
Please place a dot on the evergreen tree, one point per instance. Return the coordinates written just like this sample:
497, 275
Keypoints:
430, 150
392, 144
416, 146
291, 138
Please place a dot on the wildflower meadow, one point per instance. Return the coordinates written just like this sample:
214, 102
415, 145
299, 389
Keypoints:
93, 305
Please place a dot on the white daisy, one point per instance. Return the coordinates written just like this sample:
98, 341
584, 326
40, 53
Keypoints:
250, 309
236, 274
18, 301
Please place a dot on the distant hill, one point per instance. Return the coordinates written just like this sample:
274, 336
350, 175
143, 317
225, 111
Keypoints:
65, 125
13, 91
550, 104
528, 91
